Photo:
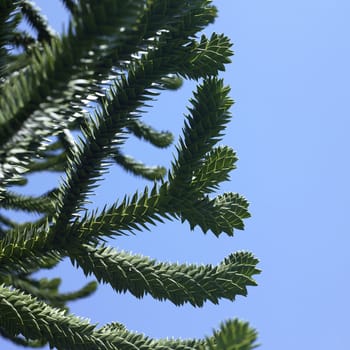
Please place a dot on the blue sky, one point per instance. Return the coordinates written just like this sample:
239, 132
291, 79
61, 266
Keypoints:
290, 79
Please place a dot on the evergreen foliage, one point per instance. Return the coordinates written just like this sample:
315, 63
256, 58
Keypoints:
95, 80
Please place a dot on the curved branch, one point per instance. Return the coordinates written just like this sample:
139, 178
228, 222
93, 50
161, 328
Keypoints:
180, 284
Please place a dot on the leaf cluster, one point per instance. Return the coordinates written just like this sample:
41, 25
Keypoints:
67, 104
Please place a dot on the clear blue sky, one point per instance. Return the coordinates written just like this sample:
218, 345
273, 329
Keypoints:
290, 79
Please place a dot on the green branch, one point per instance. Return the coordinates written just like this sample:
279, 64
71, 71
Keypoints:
38, 22
215, 168
23, 314
41, 204
180, 284
129, 164
204, 127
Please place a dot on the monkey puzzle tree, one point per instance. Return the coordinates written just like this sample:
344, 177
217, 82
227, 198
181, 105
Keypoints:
94, 81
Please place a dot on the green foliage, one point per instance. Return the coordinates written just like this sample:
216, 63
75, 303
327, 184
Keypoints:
95, 81
233, 335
